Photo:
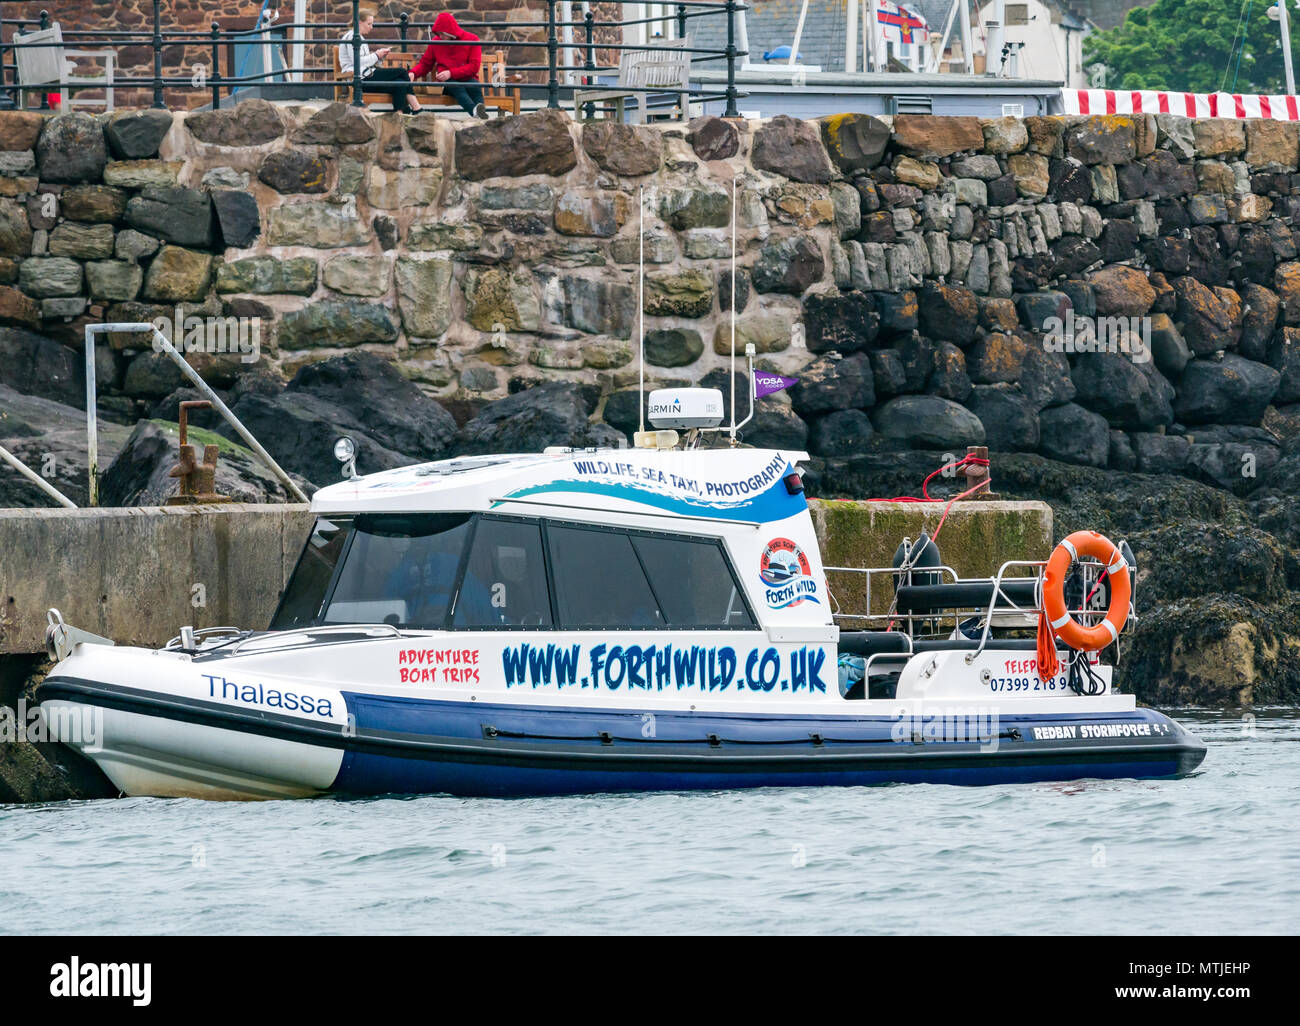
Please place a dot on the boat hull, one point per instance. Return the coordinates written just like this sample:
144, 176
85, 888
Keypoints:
164, 744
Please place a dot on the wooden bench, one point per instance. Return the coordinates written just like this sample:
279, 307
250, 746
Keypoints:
667, 70
491, 76
52, 65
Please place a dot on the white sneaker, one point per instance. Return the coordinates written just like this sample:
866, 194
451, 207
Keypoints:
480, 112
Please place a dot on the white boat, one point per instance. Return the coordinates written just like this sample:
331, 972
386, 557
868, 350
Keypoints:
655, 618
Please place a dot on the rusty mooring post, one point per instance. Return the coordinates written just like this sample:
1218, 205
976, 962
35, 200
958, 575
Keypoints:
197, 480
977, 472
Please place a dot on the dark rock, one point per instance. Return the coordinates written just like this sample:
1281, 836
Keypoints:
293, 171
1234, 391
1072, 254
1210, 558
830, 384
623, 411
1040, 309
1082, 297
138, 475
531, 420
1074, 435
627, 150
1234, 466
845, 321
1132, 181
742, 289
899, 313
789, 265
1160, 454
1207, 262
1045, 377
537, 143
793, 148
842, 433
713, 138
71, 149
949, 313
238, 220
336, 323
393, 423
928, 422
1068, 181
775, 426
1002, 191
137, 134
1255, 257
181, 216
855, 142
385, 227
1010, 420
1129, 395
39, 366
673, 347
1167, 346
1165, 177
1119, 241
917, 355
250, 123
339, 124
888, 374
949, 378
1169, 254
1102, 140
1122, 456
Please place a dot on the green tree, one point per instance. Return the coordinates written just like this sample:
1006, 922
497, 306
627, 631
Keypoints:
1195, 46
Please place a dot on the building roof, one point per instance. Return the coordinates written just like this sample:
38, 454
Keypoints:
772, 23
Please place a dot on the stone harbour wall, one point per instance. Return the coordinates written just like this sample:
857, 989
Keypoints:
434, 286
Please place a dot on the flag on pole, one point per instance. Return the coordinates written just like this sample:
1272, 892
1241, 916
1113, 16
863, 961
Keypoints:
765, 383
899, 24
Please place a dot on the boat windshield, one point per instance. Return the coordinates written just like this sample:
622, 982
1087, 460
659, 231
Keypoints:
435, 571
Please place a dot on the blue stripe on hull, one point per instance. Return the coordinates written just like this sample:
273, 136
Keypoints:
570, 735
370, 774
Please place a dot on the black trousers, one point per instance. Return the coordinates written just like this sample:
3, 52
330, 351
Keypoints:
467, 95
386, 80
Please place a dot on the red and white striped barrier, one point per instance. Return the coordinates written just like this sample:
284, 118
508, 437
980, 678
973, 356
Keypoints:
1191, 105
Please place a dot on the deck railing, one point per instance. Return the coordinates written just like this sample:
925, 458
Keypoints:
546, 76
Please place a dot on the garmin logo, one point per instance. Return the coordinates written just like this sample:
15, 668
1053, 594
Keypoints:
674, 407
102, 980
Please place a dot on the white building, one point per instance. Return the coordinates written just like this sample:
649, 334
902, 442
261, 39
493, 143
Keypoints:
1050, 38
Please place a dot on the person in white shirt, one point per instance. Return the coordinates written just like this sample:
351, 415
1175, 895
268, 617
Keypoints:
394, 81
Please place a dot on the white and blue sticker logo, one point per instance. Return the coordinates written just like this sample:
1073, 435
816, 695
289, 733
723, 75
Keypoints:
786, 575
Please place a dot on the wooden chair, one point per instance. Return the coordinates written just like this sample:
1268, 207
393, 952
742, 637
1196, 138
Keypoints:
667, 70
53, 65
491, 75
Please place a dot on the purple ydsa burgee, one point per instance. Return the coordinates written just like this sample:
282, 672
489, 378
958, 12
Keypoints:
765, 383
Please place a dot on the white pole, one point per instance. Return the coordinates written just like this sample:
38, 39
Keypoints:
798, 33
299, 34
966, 53
640, 300
874, 27
733, 310
1286, 46
851, 40
35, 478
993, 37
742, 39
866, 38
937, 58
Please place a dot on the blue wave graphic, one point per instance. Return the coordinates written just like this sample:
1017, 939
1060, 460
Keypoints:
774, 504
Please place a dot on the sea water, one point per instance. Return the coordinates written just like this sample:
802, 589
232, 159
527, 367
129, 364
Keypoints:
1215, 852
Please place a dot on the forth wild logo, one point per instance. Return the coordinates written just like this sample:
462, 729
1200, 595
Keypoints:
102, 979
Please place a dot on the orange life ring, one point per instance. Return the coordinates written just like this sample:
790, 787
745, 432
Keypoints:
1064, 626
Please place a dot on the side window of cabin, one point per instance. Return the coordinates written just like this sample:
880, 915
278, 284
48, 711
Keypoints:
311, 579
505, 578
693, 581
599, 581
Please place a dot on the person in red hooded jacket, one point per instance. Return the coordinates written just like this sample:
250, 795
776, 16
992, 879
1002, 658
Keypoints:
455, 65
